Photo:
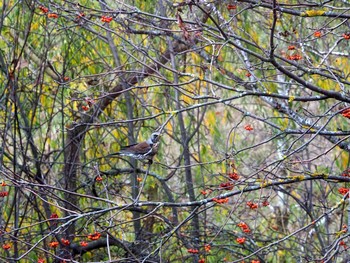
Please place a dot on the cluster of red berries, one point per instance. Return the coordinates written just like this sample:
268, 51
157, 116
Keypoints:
53, 244
343, 190
3, 193
94, 236
248, 127
52, 15
240, 240
106, 19
44, 9
65, 242
245, 228
317, 34
252, 205
346, 36
227, 185
231, 7
346, 113
294, 57
233, 176
221, 200
99, 178
193, 251
346, 173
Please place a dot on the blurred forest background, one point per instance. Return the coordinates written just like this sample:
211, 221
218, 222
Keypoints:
252, 99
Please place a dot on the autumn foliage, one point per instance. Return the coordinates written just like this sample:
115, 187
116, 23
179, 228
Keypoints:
251, 101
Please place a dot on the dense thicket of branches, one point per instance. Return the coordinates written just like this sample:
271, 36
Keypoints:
252, 101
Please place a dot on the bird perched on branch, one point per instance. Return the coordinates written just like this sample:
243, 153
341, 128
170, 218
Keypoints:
143, 150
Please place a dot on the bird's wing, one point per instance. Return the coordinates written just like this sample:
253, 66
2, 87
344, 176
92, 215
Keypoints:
127, 146
140, 148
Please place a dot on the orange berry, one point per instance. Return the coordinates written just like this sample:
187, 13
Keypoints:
231, 7
83, 243
207, 248
233, 176
6, 246
346, 36
106, 19
94, 236
53, 244
99, 178
44, 9
221, 200
248, 127
227, 185
52, 15
53, 216
240, 240
193, 251
317, 34
252, 205
85, 108
4, 193
265, 203
65, 242
343, 190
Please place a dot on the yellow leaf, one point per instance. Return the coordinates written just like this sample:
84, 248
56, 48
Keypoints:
195, 58
271, 88
35, 26
82, 86
313, 13
308, 128
105, 167
114, 147
345, 159
254, 35
187, 99
296, 195
281, 253
200, 77
210, 119
169, 128
283, 124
